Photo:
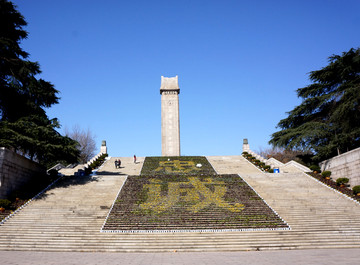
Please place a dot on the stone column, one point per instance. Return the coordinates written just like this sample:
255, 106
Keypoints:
170, 121
246, 147
103, 148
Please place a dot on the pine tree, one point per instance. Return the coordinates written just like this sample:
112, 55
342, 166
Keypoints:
327, 122
24, 125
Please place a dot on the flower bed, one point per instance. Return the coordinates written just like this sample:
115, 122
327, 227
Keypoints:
177, 165
191, 202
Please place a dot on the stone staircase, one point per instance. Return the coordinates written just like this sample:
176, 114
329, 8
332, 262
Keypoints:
69, 216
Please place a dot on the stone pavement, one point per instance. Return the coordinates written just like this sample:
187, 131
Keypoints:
232, 165
294, 257
128, 167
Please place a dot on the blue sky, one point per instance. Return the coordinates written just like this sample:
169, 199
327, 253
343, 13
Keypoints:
239, 64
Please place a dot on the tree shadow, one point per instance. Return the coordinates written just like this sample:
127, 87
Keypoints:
110, 173
76, 180
65, 182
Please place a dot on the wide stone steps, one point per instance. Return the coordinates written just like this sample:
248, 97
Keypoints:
123, 243
179, 248
158, 238
70, 216
95, 244
175, 243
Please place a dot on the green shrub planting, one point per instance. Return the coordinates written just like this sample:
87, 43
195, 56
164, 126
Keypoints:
356, 189
4, 203
326, 174
315, 168
342, 181
98, 162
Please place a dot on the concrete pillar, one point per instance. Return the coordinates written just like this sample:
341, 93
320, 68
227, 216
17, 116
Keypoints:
170, 121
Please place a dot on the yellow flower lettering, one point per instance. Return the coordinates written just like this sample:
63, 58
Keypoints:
194, 193
176, 166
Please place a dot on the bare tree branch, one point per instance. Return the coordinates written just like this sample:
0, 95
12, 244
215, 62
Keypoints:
86, 140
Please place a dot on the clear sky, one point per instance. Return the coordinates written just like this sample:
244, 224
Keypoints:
239, 64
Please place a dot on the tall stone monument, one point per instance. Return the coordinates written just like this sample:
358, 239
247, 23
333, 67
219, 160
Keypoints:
170, 122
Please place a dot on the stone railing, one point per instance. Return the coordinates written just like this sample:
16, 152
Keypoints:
291, 166
82, 168
93, 159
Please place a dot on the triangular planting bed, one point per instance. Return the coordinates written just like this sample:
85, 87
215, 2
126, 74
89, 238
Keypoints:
189, 202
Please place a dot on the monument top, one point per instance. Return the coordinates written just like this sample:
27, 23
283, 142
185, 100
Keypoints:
169, 84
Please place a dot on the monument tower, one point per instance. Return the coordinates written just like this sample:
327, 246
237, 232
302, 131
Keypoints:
170, 122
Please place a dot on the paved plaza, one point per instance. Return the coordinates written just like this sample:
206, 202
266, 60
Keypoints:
294, 257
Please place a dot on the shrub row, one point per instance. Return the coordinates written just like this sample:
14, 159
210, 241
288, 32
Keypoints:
326, 174
356, 189
97, 163
257, 162
342, 181
339, 181
4, 203
315, 168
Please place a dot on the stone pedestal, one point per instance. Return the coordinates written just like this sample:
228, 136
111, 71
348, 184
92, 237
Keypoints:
170, 121
246, 147
103, 148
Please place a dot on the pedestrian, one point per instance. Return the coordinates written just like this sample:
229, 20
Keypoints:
119, 163
116, 164
135, 159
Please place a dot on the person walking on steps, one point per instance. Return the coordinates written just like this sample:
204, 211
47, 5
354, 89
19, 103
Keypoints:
119, 163
116, 164
134, 159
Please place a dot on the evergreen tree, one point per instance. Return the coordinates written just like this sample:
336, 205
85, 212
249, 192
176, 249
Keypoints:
327, 121
24, 125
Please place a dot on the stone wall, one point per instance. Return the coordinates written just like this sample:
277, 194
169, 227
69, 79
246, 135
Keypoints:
16, 171
346, 165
